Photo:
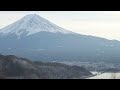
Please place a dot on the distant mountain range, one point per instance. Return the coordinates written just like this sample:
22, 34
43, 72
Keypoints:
12, 67
36, 38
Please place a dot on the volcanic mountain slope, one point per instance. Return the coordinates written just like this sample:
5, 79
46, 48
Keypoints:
36, 38
32, 24
12, 67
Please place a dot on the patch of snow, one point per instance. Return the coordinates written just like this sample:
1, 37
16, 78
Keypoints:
37, 49
54, 61
103, 44
106, 76
40, 49
94, 73
112, 45
60, 46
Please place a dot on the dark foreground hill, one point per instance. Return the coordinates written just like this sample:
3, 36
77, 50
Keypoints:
12, 67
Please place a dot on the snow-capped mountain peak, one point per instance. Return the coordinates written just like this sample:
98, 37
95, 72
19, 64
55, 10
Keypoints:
31, 24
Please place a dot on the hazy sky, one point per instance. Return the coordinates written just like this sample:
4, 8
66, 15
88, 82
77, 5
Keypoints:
97, 23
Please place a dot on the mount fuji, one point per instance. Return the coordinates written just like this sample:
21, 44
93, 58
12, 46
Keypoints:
32, 24
36, 38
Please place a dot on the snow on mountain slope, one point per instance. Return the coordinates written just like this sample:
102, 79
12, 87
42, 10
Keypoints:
31, 24
106, 76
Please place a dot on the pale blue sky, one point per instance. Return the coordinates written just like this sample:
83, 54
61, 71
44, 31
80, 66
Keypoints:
97, 23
